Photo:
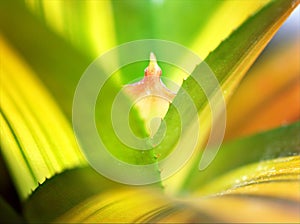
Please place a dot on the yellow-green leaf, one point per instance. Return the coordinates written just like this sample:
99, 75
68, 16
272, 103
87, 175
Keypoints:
229, 62
38, 139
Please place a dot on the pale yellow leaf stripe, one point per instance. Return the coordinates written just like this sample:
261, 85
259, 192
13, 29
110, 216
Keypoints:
269, 189
249, 209
268, 200
98, 22
30, 117
256, 178
228, 86
129, 205
223, 22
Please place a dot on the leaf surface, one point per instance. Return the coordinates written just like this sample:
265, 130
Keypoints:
229, 62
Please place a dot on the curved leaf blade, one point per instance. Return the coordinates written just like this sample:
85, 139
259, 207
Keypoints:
230, 61
34, 134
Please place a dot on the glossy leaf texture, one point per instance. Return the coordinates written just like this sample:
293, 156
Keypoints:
281, 142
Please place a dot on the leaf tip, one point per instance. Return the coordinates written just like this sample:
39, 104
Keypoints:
153, 69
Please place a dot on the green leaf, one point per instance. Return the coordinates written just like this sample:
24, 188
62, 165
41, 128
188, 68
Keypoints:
64, 191
62, 78
56, 63
265, 189
39, 143
229, 62
27, 124
246, 186
79, 23
38, 139
281, 142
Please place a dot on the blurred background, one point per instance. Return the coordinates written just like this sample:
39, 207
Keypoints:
268, 96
